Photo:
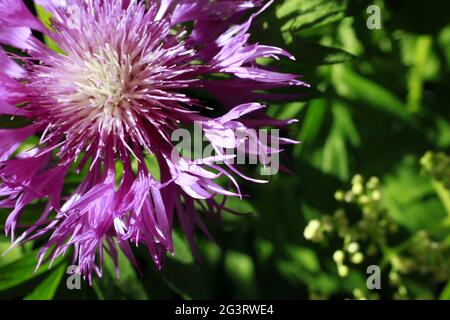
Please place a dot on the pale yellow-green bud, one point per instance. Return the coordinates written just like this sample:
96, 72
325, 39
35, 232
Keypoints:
353, 247
364, 199
359, 294
343, 271
349, 197
402, 291
358, 179
376, 195
426, 160
339, 195
373, 183
357, 258
338, 256
368, 211
357, 188
311, 229
394, 278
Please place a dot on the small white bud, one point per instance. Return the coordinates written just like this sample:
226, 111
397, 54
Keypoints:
338, 256
353, 247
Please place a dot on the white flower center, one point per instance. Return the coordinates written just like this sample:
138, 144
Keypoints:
104, 81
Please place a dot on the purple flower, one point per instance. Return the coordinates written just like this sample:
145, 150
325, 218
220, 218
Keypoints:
108, 99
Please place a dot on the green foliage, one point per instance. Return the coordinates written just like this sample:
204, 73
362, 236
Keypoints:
47, 288
22, 270
378, 106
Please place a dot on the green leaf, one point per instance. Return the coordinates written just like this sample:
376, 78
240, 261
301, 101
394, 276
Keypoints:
335, 157
45, 17
335, 153
241, 272
302, 267
368, 92
445, 294
240, 205
310, 54
444, 41
128, 286
189, 281
410, 198
307, 14
321, 55
47, 288
313, 122
13, 255
344, 123
183, 253
22, 270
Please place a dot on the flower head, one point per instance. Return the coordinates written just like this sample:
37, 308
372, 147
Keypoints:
108, 99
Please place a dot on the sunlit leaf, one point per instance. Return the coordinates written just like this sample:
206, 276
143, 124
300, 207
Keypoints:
22, 270
47, 288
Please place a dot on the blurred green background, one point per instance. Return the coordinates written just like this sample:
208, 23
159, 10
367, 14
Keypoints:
370, 182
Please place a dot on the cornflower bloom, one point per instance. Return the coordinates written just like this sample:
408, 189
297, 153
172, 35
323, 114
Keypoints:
125, 75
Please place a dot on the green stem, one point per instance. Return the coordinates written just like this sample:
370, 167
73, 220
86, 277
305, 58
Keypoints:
417, 74
443, 194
